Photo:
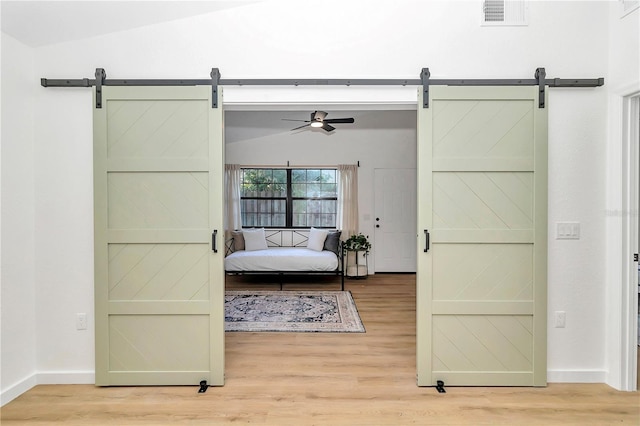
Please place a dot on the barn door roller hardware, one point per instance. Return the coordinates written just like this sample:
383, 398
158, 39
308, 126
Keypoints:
540, 76
101, 80
425, 81
540, 80
425, 74
100, 76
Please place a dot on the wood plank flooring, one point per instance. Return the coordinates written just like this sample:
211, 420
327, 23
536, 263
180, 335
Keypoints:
328, 379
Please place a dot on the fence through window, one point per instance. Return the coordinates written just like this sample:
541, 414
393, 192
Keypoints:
289, 198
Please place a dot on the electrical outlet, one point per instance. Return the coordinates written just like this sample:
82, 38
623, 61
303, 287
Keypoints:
81, 321
560, 319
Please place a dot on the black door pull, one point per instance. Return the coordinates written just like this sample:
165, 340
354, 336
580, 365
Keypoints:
214, 238
426, 242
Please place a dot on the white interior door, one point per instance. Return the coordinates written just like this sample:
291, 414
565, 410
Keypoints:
395, 220
482, 216
159, 284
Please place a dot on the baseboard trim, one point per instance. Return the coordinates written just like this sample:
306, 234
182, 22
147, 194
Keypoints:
47, 378
576, 376
66, 377
18, 389
89, 378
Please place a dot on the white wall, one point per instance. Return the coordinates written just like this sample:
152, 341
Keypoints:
275, 39
18, 331
64, 237
624, 47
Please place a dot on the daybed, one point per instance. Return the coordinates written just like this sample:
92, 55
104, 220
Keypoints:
285, 252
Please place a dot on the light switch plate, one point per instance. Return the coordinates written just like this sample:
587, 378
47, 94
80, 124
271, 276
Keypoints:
568, 231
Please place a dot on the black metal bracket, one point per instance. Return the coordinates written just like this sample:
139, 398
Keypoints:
572, 82
203, 386
424, 76
440, 387
635, 257
81, 82
100, 76
541, 77
215, 81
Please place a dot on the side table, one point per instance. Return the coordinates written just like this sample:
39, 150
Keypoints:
356, 264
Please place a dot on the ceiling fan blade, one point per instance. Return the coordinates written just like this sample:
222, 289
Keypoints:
318, 120
339, 120
318, 115
298, 128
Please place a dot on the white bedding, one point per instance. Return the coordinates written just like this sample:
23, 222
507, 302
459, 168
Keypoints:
288, 259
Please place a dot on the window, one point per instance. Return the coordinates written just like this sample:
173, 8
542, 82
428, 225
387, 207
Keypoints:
289, 198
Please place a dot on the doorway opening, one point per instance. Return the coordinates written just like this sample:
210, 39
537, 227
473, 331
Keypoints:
631, 138
631, 126
623, 236
383, 138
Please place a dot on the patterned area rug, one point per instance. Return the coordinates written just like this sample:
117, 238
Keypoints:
301, 311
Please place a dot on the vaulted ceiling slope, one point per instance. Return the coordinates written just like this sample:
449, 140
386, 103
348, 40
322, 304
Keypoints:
40, 23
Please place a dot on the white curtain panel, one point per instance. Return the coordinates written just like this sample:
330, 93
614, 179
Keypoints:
347, 219
233, 216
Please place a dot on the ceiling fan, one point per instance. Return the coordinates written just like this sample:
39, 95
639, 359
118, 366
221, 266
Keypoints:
318, 120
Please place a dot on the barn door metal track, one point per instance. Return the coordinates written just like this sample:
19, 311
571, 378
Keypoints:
425, 81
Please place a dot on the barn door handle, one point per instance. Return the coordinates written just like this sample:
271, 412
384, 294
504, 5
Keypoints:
214, 238
426, 240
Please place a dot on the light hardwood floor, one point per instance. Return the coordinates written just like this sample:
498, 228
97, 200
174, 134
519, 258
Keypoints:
328, 379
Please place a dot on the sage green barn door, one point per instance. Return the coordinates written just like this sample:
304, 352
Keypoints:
482, 215
159, 284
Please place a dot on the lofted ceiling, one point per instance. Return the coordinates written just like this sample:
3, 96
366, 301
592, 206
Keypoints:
40, 23
47, 22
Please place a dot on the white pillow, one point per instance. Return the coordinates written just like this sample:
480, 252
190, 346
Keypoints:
254, 239
316, 239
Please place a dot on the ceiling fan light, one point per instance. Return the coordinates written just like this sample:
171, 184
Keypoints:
316, 124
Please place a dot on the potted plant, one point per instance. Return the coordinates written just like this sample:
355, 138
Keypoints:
357, 242
356, 248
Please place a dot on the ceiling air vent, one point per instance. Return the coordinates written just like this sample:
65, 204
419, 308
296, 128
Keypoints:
628, 6
505, 12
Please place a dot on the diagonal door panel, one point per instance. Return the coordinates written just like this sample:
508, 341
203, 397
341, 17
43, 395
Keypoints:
470, 128
469, 335
158, 271
490, 272
157, 200
140, 342
152, 128
483, 200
